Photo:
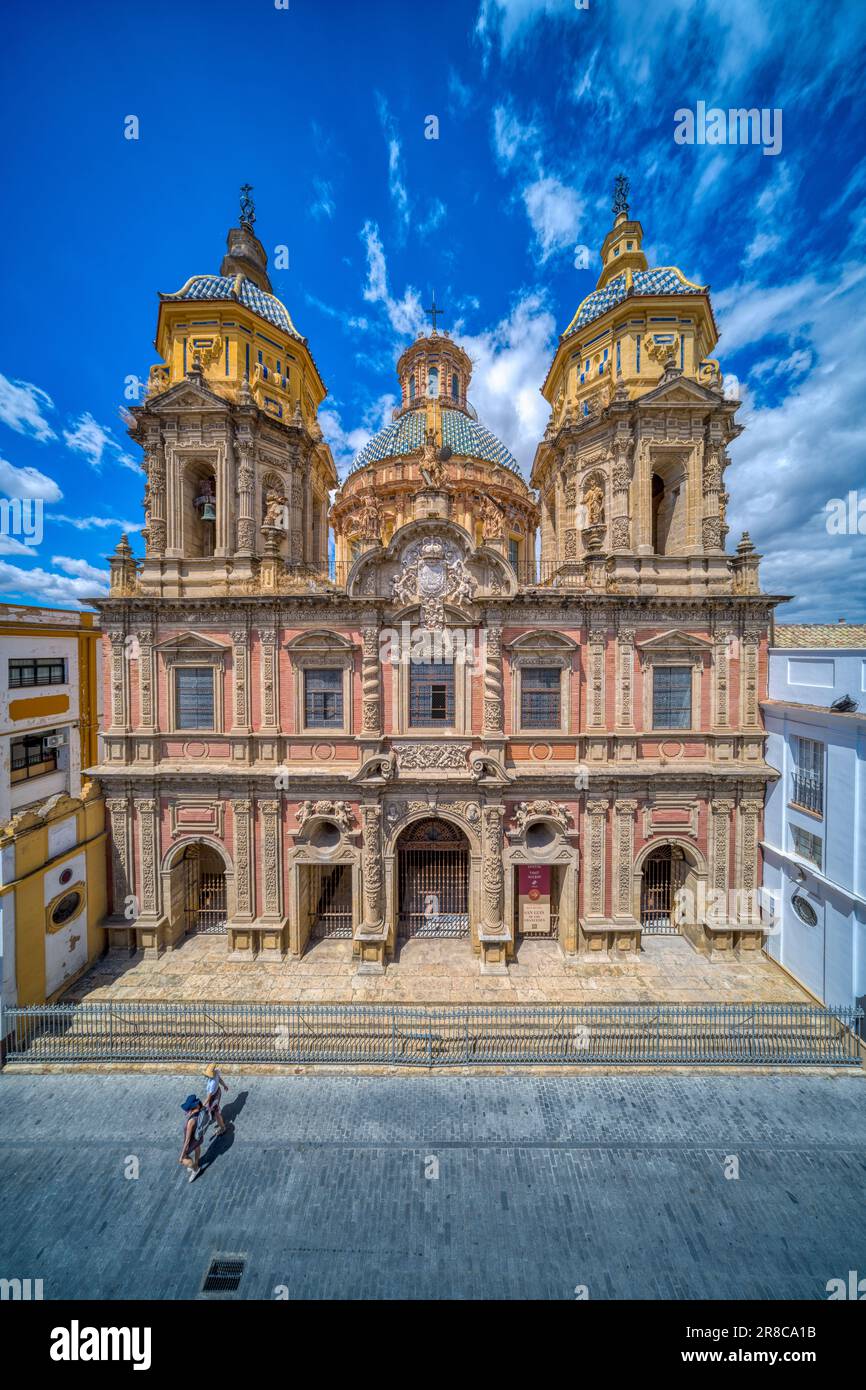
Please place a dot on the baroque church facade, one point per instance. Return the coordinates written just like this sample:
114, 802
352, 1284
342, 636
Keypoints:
484, 709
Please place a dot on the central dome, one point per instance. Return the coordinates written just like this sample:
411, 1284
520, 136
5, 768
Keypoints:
435, 423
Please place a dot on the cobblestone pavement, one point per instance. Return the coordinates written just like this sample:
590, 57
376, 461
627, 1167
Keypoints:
326, 1186
438, 972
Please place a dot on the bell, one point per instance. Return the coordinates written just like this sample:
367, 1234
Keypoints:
208, 511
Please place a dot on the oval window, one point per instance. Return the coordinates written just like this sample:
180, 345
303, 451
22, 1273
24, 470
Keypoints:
540, 835
326, 835
804, 910
66, 876
66, 909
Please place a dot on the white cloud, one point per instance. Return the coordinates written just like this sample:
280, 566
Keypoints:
396, 181
87, 523
512, 137
44, 586
761, 245
27, 482
346, 444
21, 407
94, 441
556, 213
81, 569
405, 315
9, 546
324, 206
510, 362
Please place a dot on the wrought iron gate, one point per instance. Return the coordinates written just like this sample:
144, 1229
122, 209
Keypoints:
664, 873
433, 881
331, 900
205, 901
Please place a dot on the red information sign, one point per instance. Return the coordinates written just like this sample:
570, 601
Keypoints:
533, 886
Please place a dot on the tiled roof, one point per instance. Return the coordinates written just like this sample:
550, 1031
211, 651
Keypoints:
464, 435
267, 306
664, 279
820, 635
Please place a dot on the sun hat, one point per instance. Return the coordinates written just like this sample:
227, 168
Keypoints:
210, 1070
190, 1103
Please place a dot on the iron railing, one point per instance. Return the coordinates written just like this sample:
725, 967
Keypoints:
808, 791
761, 1034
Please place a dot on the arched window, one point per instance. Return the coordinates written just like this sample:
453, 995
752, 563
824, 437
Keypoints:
455, 388
433, 382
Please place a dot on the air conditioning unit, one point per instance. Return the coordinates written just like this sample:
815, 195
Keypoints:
55, 741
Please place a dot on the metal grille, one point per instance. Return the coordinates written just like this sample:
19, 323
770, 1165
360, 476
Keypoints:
431, 693
433, 881
539, 697
208, 914
663, 876
672, 697
224, 1274
331, 900
403, 1035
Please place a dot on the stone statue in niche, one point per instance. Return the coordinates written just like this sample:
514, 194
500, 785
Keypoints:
594, 503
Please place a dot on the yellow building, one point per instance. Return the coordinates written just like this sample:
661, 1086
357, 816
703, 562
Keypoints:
52, 823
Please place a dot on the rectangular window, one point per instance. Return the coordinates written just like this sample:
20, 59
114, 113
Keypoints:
513, 552
672, 697
194, 691
323, 699
33, 672
637, 352
808, 778
227, 356
808, 846
31, 757
540, 697
431, 694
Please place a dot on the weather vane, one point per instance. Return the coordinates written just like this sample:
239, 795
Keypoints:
248, 207
620, 194
433, 311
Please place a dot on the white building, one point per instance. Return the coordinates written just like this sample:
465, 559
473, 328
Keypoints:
815, 821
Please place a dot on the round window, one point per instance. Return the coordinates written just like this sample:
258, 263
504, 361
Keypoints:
804, 910
540, 835
66, 876
326, 835
66, 909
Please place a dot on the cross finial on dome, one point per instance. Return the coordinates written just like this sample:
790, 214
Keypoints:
433, 311
620, 195
248, 207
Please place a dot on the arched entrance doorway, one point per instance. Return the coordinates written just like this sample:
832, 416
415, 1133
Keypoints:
665, 871
432, 880
203, 882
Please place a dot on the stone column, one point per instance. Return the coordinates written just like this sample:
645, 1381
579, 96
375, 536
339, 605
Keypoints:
270, 679
147, 720
594, 921
154, 467
620, 523
240, 683
624, 819
372, 933
122, 879
119, 681
493, 933
625, 682
493, 725
711, 521
272, 877
246, 527
150, 927
749, 935
245, 891
595, 674
371, 711
749, 711
721, 658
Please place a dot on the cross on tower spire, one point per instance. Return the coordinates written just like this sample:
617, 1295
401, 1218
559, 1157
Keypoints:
248, 207
433, 311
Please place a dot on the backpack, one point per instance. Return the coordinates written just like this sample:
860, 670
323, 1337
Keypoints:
202, 1123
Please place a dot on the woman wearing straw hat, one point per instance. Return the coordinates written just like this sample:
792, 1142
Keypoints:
215, 1087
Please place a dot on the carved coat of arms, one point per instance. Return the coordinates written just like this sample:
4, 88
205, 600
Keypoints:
433, 571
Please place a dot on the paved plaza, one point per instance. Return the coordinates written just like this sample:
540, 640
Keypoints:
439, 1187
438, 972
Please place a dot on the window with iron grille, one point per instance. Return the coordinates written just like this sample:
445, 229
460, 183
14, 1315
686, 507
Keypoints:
672, 697
194, 697
808, 846
431, 694
323, 699
808, 775
540, 697
31, 757
33, 672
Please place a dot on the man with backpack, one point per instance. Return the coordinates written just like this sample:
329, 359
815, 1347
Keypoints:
197, 1120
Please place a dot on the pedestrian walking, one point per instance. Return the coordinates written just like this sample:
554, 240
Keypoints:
197, 1120
216, 1084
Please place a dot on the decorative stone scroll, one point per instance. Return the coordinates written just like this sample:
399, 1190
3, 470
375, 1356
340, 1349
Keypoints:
424, 756
525, 811
338, 811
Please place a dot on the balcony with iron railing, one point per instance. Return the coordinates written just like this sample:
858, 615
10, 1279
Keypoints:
444, 403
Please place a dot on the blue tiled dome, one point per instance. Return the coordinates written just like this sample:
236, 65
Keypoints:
267, 306
664, 279
462, 434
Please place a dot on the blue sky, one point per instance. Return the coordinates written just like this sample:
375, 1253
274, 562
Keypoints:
323, 107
